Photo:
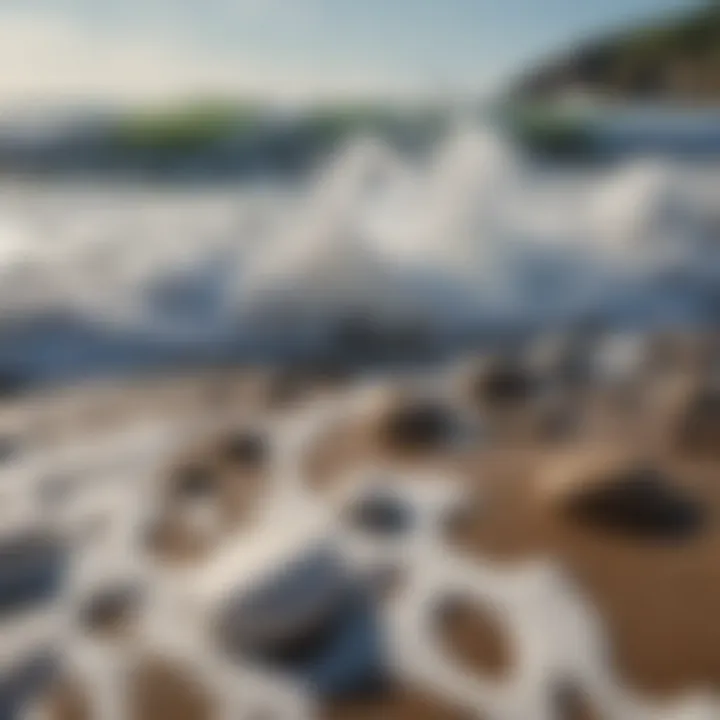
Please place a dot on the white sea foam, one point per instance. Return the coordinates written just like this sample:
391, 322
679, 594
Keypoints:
474, 234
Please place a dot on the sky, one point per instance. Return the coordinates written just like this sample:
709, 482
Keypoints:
294, 50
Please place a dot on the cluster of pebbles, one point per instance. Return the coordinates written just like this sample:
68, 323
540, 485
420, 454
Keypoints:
532, 535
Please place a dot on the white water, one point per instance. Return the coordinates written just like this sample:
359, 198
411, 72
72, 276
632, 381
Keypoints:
474, 235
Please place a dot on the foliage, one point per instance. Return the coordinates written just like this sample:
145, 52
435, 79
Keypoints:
675, 58
178, 129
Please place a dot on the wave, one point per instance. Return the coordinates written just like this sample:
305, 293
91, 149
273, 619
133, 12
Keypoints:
471, 237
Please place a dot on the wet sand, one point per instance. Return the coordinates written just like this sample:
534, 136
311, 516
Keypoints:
524, 468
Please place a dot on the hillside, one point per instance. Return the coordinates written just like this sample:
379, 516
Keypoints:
676, 59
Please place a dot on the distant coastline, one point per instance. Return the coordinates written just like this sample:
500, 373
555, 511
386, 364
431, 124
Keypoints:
673, 60
201, 140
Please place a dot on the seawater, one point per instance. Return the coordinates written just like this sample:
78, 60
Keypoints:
472, 237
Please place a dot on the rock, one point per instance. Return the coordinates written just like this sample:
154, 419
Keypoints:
279, 614
244, 448
414, 425
630, 500
303, 614
266, 588
501, 383
110, 609
381, 514
31, 570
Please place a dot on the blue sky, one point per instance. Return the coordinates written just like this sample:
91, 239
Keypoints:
291, 47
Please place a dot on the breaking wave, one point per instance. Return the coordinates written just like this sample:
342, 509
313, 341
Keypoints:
473, 237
